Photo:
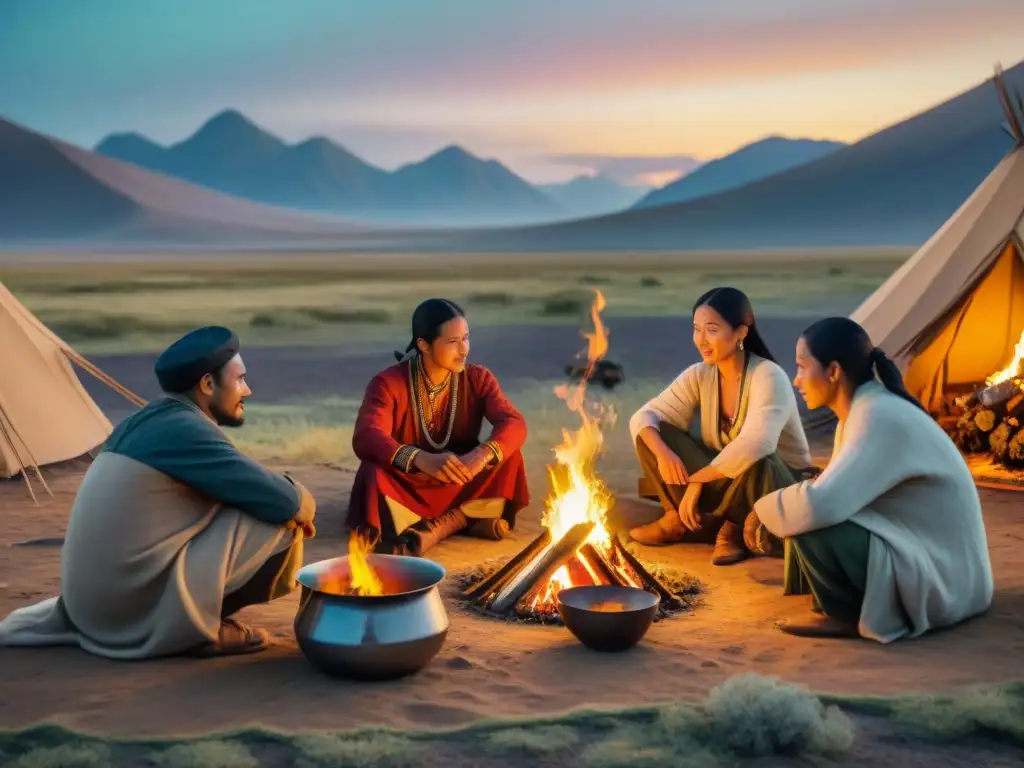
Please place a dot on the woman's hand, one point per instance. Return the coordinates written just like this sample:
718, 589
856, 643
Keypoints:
671, 468
689, 515
446, 467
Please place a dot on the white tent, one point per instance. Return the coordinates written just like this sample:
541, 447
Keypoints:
953, 314
46, 416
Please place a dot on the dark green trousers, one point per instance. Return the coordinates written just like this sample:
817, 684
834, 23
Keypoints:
729, 499
832, 565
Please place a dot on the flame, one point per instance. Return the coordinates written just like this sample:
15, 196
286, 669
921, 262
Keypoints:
1010, 371
362, 580
578, 494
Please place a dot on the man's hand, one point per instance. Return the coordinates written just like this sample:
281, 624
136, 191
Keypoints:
308, 529
689, 516
476, 461
446, 467
671, 468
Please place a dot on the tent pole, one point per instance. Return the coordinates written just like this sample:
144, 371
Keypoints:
102, 377
17, 455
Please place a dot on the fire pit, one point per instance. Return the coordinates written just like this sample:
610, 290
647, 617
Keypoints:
607, 618
989, 420
370, 617
576, 548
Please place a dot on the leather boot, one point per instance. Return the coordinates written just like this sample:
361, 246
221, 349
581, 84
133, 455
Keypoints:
492, 529
429, 532
729, 547
668, 529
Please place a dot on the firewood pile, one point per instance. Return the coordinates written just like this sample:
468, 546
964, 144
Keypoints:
989, 421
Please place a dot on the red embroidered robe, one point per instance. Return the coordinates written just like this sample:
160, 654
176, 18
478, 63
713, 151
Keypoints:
388, 419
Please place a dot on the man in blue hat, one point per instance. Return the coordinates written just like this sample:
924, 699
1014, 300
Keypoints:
173, 529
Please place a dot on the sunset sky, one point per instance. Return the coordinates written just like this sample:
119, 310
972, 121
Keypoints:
553, 88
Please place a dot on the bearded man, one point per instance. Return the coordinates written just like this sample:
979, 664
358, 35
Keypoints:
173, 529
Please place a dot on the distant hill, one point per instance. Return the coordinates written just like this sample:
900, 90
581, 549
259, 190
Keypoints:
748, 163
895, 187
593, 195
232, 154
53, 191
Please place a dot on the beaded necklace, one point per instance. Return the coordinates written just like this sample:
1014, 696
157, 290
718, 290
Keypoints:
423, 390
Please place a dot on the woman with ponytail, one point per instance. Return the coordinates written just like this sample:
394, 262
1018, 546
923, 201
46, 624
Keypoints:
424, 474
751, 439
889, 540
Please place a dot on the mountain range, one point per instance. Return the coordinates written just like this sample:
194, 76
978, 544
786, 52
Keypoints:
451, 187
758, 160
51, 191
895, 187
232, 154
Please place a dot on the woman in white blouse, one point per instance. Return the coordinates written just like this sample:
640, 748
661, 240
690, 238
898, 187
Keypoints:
889, 540
751, 441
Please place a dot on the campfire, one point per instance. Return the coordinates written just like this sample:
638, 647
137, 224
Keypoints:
989, 419
576, 548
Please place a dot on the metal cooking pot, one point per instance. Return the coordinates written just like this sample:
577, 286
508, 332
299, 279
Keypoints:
372, 638
607, 630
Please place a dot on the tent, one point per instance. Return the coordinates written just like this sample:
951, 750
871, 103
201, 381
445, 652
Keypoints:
46, 416
953, 314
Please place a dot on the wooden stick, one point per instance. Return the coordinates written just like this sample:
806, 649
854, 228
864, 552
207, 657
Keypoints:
593, 556
541, 569
503, 574
101, 376
646, 576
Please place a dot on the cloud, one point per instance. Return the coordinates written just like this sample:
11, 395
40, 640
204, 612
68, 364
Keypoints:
648, 170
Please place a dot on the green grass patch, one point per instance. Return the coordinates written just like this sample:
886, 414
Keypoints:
565, 303
746, 718
491, 299
78, 328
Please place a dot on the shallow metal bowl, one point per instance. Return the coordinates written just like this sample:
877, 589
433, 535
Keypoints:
372, 638
607, 630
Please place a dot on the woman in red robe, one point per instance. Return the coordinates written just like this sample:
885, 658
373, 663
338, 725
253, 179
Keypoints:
424, 474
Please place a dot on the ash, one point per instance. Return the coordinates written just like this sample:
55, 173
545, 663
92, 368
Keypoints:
688, 592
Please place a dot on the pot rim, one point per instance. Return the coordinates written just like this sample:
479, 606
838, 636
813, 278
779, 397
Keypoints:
433, 574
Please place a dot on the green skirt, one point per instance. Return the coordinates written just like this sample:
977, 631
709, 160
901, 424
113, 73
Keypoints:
728, 499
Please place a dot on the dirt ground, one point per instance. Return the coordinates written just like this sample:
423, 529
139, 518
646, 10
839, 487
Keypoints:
487, 668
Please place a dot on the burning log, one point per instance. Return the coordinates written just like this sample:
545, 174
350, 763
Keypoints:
648, 579
605, 571
997, 394
539, 569
490, 586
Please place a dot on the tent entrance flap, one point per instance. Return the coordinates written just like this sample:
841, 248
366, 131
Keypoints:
977, 337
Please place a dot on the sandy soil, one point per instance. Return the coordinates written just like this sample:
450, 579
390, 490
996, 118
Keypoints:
487, 668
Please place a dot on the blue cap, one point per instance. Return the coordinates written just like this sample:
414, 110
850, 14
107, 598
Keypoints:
197, 353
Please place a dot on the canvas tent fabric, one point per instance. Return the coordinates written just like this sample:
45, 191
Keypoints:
46, 416
953, 313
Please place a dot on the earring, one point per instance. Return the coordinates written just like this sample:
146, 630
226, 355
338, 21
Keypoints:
741, 345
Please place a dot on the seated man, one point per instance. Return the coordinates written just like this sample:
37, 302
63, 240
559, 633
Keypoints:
173, 530
424, 473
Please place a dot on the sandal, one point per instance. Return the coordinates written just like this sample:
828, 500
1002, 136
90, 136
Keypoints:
234, 639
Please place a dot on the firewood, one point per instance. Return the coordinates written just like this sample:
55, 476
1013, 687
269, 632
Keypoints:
601, 565
540, 569
998, 393
497, 579
646, 576
1015, 405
